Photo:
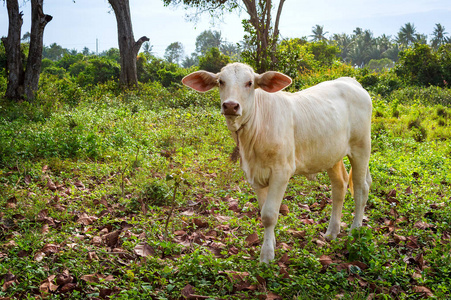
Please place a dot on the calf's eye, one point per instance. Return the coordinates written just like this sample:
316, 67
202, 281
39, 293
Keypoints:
249, 83
220, 82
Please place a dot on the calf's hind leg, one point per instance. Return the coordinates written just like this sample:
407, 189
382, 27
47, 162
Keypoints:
361, 181
339, 181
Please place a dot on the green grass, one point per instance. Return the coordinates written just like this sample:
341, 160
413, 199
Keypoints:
115, 161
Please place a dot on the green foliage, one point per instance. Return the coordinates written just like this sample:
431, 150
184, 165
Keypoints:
295, 58
156, 193
380, 65
114, 54
432, 95
325, 54
2, 60
46, 63
422, 66
379, 83
213, 60
57, 71
155, 69
206, 40
360, 245
68, 60
97, 70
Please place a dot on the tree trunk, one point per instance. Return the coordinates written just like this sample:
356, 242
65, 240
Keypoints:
14, 90
276, 33
260, 18
38, 22
23, 84
128, 48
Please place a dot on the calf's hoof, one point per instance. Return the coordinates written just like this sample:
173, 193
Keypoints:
331, 233
266, 255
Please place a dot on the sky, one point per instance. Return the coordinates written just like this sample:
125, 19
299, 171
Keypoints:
81, 24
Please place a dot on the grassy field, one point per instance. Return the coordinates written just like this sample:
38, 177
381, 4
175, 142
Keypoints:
123, 197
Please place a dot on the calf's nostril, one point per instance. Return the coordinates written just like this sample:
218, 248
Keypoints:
230, 108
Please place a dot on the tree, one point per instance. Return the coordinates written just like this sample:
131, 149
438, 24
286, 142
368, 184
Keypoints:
420, 65
263, 34
24, 83
318, 33
128, 47
190, 61
54, 52
213, 61
174, 53
230, 49
407, 35
86, 51
207, 40
438, 36
26, 37
345, 44
147, 48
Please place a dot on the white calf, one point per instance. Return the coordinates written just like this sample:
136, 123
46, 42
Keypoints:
281, 134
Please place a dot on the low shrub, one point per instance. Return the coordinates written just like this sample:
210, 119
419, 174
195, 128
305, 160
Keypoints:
432, 95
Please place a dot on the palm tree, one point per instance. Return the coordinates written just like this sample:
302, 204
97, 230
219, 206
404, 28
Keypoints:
407, 35
357, 31
438, 38
344, 43
318, 33
147, 48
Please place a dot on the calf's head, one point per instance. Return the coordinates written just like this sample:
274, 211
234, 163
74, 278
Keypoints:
237, 83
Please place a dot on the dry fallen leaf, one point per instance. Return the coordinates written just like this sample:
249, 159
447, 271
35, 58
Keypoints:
92, 278
68, 287
112, 238
47, 285
39, 256
64, 278
423, 290
284, 209
297, 233
144, 250
8, 280
50, 185
252, 239
325, 260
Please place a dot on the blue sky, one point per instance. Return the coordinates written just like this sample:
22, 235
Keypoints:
79, 24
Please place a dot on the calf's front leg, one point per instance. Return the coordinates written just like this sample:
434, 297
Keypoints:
270, 214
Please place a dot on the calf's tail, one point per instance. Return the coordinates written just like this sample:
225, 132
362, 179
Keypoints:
351, 186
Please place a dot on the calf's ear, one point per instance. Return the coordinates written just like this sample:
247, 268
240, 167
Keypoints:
201, 81
272, 81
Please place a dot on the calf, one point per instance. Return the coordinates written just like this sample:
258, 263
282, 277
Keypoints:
280, 134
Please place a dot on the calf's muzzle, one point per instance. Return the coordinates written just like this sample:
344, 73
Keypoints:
230, 108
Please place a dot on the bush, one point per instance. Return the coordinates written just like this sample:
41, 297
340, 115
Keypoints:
57, 71
326, 55
2, 60
379, 65
427, 96
420, 65
68, 60
155, 69
55, 89
46, 63
97, 70
382, 83
294, 58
